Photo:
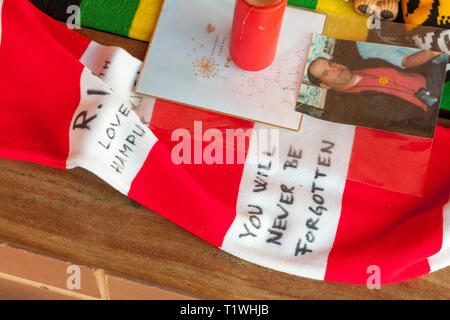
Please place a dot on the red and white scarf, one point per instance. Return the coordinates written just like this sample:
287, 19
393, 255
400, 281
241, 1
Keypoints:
328, 202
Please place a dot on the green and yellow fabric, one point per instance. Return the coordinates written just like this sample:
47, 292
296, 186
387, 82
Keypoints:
137, 18
340, 7
130, 18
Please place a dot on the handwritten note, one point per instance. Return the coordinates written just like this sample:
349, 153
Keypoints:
189, 63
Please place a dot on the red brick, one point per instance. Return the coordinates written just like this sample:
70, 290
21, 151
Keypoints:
43, 269
124, 289
11, 290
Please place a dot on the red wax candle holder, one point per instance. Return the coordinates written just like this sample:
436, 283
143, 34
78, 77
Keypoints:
255, 34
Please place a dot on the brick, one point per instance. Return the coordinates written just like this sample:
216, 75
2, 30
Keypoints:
124, 289
43, 269
12, 290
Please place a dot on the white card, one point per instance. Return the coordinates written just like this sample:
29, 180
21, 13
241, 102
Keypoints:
188, 62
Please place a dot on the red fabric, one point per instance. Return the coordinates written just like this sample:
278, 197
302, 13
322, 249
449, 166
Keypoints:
219, 180
74, 43
390, 161
38, 98
394, 231
200, 197
171, 192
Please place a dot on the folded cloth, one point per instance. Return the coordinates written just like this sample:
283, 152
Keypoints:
305, 203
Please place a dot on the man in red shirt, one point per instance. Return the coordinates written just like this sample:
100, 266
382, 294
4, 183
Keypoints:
380, 96
383, 79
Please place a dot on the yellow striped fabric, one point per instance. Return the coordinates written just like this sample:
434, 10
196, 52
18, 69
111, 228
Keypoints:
340, 7
144, 20
346, 28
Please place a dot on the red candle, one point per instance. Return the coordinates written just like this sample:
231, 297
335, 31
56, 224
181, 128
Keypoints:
255, 32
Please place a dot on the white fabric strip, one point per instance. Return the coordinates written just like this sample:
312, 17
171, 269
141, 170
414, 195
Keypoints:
442, 258
290, 198
106, 136
119, 70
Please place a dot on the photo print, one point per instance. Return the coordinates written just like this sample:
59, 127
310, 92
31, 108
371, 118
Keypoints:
386, 87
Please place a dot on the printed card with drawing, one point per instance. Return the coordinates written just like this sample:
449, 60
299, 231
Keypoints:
188, 62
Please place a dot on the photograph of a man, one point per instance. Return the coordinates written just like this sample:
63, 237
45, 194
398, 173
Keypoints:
384, 87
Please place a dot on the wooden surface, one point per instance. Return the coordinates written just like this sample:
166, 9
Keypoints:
72, 214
